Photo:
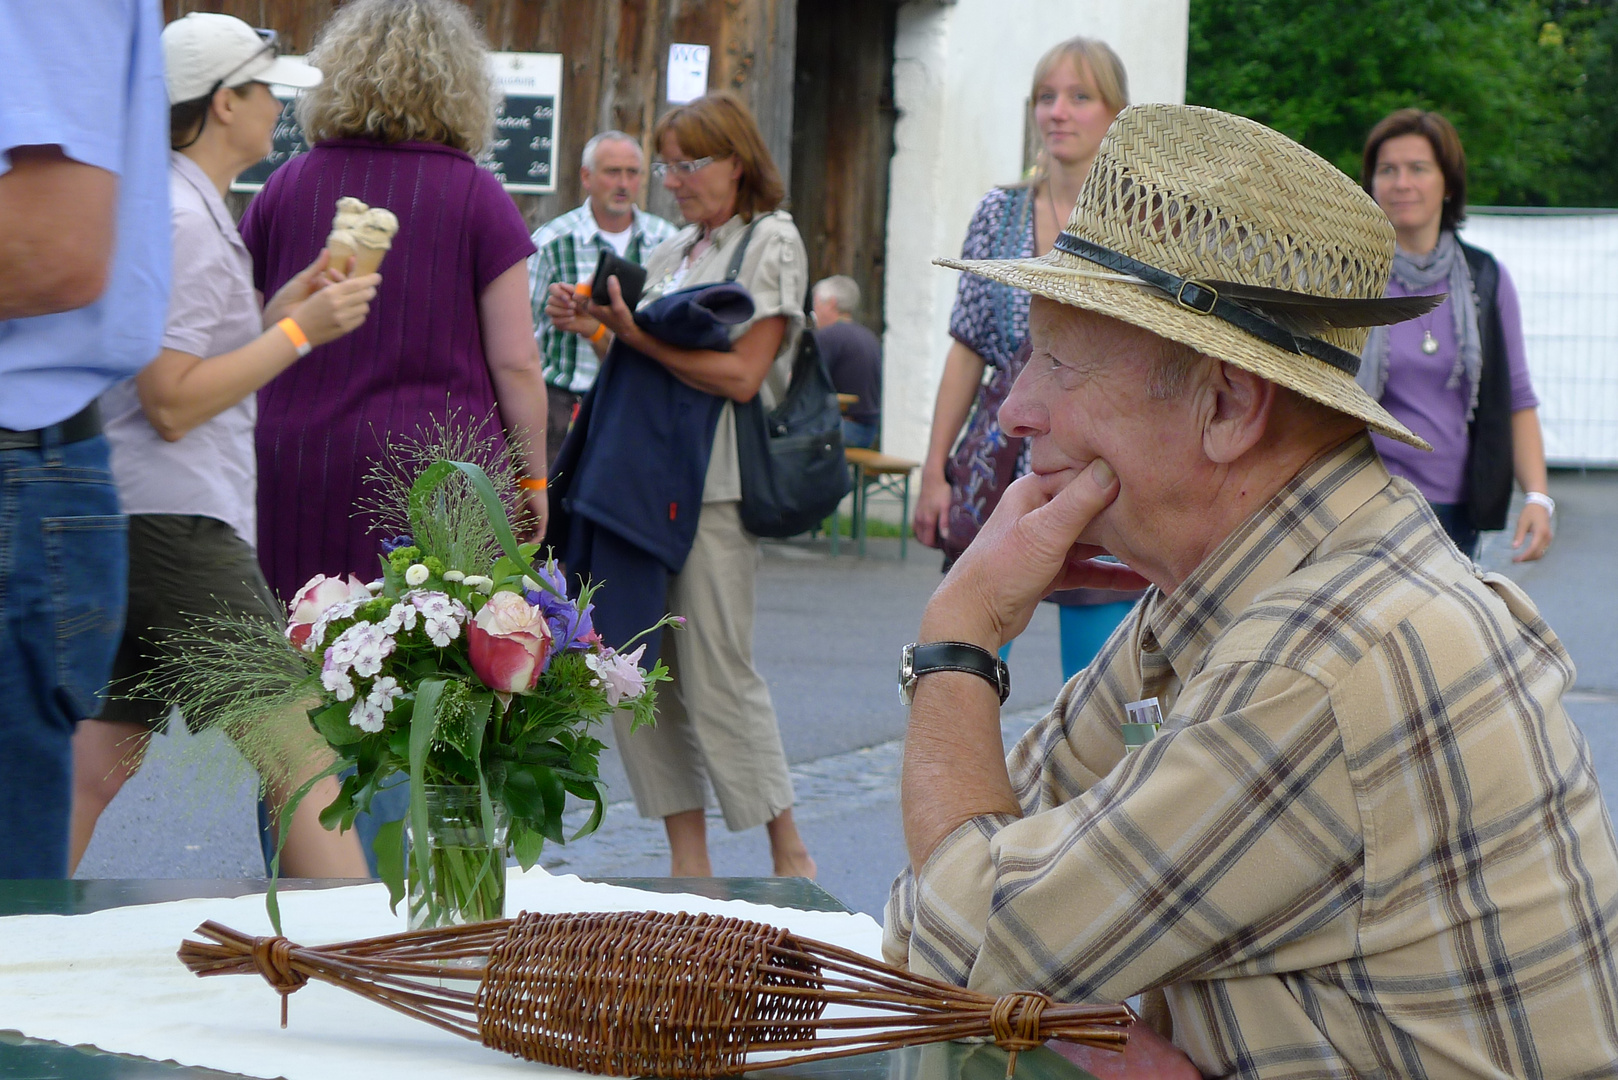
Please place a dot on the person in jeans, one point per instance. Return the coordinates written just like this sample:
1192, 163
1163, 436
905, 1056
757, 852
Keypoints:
612, 170
182, 434
84, 277
853, 357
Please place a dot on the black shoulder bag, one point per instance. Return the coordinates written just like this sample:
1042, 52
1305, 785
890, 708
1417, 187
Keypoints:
792, 468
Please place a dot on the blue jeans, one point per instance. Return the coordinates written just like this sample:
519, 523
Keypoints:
858, 434
1085, 628
64, 569
1455, 521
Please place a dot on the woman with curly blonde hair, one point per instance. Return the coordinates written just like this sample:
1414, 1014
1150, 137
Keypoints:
407, 100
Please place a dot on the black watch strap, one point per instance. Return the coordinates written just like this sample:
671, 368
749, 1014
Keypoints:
919, 660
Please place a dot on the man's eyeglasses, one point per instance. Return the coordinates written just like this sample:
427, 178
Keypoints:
661, 169
268, 37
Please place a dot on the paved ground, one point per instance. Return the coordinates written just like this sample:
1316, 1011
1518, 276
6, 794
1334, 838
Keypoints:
829, 633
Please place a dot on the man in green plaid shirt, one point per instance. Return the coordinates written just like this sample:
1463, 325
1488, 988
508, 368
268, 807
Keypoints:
611, 171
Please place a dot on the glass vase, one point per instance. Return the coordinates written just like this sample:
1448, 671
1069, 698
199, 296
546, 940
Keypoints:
465, 875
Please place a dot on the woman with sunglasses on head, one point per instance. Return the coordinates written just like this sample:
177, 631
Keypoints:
181, 433
1457, 376
717, 719
1079, 87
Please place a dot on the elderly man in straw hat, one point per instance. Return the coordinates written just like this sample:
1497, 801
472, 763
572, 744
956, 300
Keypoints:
1366, 840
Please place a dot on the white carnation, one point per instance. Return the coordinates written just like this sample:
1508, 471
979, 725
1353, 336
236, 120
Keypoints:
366, 715
417, 574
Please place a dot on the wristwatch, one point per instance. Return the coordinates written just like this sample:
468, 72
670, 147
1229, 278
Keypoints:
917, 660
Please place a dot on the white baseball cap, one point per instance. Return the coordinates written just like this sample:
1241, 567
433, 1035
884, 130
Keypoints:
203, 52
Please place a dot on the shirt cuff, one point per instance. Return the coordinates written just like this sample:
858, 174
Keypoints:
936, 921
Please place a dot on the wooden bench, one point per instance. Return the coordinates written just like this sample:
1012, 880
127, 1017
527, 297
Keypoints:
889, 475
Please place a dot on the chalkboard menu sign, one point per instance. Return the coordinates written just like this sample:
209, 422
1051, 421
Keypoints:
523, 153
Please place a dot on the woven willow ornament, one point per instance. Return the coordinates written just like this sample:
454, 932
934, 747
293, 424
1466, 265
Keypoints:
1219, 233
654, 993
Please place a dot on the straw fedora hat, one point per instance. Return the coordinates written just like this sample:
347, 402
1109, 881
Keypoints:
1219, 233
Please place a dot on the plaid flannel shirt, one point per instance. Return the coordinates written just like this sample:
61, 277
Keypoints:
1367, 842
569, 249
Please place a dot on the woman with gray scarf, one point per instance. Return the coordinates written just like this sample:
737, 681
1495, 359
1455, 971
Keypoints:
1457, 376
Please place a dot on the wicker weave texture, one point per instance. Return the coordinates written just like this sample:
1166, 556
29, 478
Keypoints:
626, 993
1210, 195
654, 993
1214, 197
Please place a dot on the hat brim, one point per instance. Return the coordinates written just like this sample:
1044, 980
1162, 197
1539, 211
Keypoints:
1067, 280
285, 71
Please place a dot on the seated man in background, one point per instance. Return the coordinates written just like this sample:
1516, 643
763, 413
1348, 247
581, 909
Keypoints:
1367, 840
853, 357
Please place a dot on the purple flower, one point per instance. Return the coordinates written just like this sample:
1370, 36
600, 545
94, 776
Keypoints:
568, 624
393, 544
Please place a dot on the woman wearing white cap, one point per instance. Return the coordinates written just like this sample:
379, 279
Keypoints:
182, 430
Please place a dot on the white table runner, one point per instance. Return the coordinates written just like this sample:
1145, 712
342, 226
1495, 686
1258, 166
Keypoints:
111, 980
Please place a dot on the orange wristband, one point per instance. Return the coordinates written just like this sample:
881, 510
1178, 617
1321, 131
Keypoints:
601, 332
533, 483
295, 334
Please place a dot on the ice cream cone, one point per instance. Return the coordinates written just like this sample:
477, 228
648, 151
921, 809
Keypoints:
364, 232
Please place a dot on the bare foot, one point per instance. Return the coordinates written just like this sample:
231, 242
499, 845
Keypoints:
787, 849
798, 864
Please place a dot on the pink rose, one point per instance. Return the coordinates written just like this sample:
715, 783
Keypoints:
509, 641
313, 600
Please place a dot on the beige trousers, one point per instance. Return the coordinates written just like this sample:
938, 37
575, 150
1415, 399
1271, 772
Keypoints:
715, 719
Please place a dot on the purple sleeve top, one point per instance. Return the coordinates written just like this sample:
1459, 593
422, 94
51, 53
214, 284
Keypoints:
417, 360
1417, 394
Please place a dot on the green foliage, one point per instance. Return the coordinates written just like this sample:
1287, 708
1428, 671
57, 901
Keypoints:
1529, 85
387, 683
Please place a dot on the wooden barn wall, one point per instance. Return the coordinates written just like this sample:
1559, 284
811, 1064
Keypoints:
842, 142
615, 60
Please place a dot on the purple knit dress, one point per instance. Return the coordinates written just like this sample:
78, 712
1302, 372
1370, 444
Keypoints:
324, 421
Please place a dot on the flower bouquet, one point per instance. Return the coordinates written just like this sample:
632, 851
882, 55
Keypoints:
465, 669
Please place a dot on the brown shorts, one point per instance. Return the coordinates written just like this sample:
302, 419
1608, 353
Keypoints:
180, 566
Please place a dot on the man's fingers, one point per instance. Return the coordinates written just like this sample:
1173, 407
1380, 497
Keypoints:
1078, 500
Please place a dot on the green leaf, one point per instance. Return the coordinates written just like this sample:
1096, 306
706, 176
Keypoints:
390, 860
520, 791
271, 902
599, 797
332, 723
493, 509
526, 845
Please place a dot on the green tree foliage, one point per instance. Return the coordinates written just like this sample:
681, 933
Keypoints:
1530, 85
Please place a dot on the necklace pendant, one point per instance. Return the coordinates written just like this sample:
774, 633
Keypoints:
1429, 344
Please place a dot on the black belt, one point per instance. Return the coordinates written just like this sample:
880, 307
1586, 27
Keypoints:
84, 424
1204, 299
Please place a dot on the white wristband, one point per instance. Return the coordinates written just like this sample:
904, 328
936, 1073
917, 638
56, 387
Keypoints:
1539, 498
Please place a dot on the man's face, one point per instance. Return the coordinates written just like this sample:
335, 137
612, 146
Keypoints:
614, 183
1084, 395
826, 311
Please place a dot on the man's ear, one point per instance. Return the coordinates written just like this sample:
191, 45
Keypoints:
1238, 413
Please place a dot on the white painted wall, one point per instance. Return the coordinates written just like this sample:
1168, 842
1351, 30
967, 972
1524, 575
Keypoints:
961, 77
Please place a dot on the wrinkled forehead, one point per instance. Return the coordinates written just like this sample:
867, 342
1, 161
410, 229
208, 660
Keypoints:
1064, 329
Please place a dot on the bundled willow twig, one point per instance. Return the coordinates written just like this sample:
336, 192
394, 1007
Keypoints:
636, 993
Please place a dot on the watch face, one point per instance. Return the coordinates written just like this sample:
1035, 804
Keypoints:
907, 673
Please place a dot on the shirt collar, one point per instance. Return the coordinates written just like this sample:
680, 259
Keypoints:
588, 228
1274, 542
192, 174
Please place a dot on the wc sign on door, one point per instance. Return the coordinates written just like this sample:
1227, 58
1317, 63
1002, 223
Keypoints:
688, 73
